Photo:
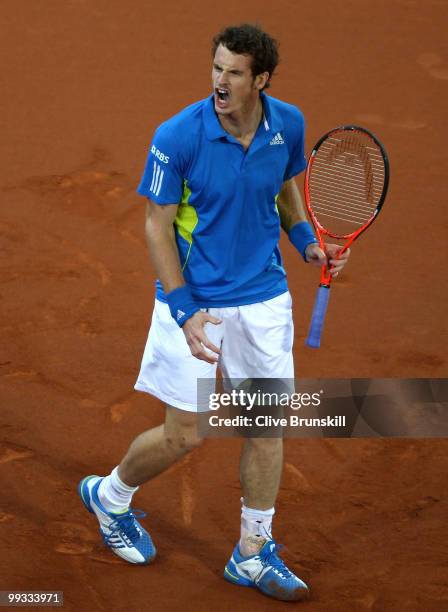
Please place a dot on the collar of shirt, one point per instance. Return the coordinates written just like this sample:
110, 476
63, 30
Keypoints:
272, 120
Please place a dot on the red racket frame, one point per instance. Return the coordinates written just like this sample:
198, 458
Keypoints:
325, 278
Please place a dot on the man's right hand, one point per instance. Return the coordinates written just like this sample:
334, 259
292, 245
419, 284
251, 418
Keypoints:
198, 342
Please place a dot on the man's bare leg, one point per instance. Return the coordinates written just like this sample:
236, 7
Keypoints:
153, 451
110, 498
260, 473
255, 561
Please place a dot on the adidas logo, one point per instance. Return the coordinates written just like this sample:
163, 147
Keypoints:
277, 140
180, 314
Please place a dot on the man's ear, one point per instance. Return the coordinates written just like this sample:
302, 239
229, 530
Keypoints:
261, 80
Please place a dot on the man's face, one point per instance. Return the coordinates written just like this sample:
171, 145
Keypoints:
234, 86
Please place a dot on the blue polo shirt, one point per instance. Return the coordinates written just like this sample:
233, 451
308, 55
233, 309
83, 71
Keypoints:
227, 226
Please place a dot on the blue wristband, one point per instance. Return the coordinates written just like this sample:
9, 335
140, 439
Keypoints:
181, 303
301, 235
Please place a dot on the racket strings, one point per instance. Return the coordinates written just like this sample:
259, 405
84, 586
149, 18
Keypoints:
346, 182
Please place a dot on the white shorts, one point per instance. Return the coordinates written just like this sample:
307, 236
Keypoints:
255, 340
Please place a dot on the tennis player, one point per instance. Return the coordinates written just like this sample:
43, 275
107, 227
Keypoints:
219, 183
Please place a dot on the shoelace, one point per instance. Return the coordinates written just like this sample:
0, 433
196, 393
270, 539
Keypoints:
126, 524
270, 557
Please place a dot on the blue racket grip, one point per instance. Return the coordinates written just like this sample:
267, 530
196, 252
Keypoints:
318, 318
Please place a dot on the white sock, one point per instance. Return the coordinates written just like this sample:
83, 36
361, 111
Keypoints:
256, 529
114, 494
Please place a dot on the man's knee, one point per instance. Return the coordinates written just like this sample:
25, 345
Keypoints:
183, 442
264, 445
181, 430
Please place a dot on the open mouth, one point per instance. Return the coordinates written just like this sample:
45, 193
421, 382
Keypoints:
222, 95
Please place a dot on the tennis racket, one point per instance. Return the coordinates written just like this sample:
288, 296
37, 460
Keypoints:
346, 182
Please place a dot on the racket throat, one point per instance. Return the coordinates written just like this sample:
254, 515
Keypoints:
325, 277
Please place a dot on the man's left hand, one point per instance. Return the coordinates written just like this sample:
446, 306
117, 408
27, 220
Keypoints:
314, 255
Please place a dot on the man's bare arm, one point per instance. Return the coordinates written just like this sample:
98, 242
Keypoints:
162, 246
292, 211
159, 231
290, 205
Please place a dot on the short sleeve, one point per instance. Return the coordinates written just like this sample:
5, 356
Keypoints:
162, 179
296, 144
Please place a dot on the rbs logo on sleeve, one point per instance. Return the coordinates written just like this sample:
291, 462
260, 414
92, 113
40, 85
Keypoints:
161, 156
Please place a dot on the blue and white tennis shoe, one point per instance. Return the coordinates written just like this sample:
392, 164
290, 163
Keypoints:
267, 572
122, 533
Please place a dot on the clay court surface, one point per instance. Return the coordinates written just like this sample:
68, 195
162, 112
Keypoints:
84, 85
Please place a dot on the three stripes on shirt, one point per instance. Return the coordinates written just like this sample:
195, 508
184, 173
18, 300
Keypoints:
157, 179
